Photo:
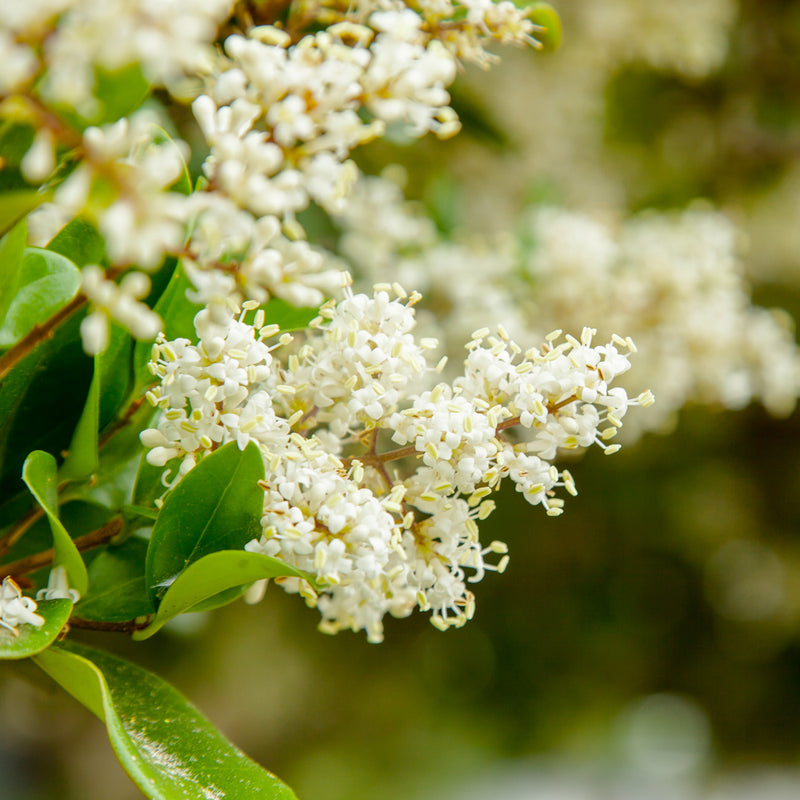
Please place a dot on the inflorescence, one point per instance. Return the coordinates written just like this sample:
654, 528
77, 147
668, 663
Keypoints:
376, 475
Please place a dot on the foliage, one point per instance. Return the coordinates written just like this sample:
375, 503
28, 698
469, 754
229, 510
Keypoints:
169, 216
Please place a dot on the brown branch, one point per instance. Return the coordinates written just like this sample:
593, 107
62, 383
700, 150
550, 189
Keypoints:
129, 626
43, 559
38, 334
19, 528
377, 459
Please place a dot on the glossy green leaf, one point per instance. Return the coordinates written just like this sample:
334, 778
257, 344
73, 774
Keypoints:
12, 250
117, 585
47, 282
217, 506
39, 473
80, 242
170, 750
211, 575
36, 412
289, 318
16, 204
82, 459
31, 640
148, 487
177, 313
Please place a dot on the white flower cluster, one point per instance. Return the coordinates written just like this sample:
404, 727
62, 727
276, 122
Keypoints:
673, 281
331, 415
117, 301
281, 117
167, 40
687, 36
16, 609
280, 109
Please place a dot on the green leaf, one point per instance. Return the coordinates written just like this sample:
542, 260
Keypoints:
115, 368
170, 750
32, 640
147, 487
17, 204
12, 250
82, 460
35, 411
177, 313
39, 473
289, 318
118, 591
211, 575
80, 242
134, 511
217, 506
48, 281
120, 92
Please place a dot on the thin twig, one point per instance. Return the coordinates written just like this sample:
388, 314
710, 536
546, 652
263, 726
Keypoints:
129, 626
38, 334
123, 421
43, 559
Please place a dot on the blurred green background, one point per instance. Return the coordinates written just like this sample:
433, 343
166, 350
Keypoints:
646, 644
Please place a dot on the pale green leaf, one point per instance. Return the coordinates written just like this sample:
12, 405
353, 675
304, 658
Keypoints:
39, 473
212, 574
48, 281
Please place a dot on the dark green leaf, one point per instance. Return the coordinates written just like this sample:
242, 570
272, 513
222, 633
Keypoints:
12, 250
32, 640
80, 242
170, 750
148, 487
212, 574
217, 506
48, 281
39, 473
116, 577
116, 371
36, 412
82, 460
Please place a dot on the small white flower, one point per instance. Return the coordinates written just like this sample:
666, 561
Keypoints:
16, 609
